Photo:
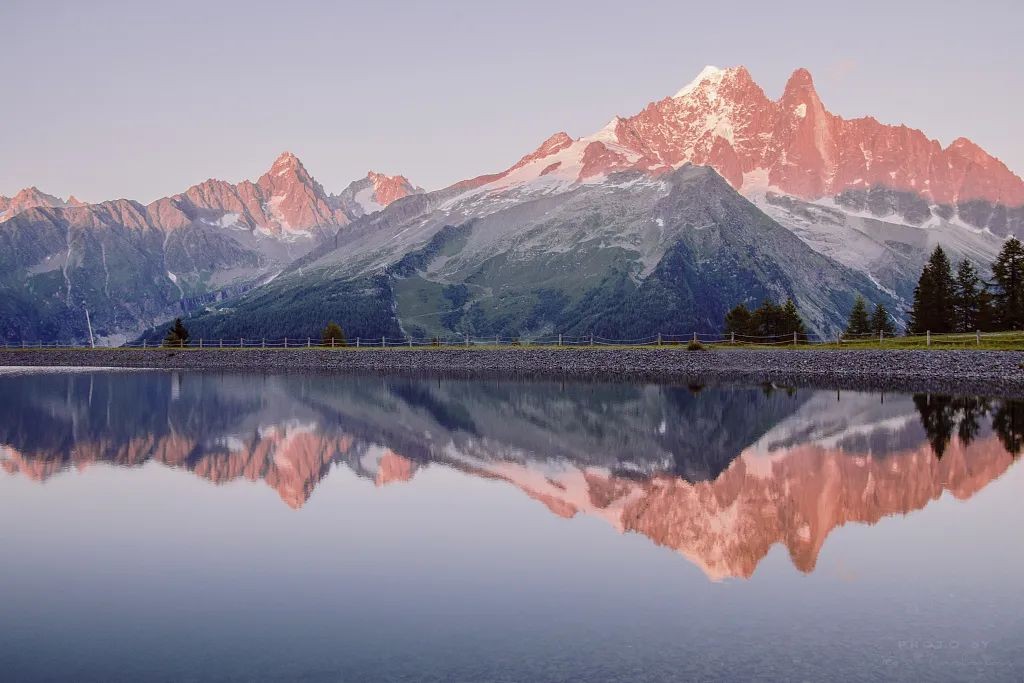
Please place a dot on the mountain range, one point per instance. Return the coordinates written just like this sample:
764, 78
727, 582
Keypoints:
658, 222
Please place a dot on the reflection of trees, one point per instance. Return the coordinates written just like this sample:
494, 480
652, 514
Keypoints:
942, 415
939, 419
1008, 423
972, 411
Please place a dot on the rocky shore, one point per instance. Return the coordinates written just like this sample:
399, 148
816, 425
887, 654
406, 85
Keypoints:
956, 372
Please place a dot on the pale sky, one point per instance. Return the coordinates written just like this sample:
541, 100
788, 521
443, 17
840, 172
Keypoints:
143, 99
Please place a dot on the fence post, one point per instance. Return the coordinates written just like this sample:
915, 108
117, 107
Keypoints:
694, 336
977, 337
263, 343
309, 342
286, 342
200, 342
467, 341
241, 342
143, 343
410, 342
383, 343
559, 339
659, 339
732, 337
332, 342
591, 338
794, 338
357, 342
927, 337
222, 342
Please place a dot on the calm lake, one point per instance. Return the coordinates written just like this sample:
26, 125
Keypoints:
197, 526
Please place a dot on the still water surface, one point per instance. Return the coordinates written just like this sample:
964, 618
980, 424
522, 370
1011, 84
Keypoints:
189, 526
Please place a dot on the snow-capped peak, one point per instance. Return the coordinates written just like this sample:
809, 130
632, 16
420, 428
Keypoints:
709, 74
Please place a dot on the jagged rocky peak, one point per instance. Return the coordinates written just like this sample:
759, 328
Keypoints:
28, 198
793, 145
387, 189
372, 193
286, 201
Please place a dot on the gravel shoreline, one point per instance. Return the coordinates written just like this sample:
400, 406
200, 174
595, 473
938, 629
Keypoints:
996, 373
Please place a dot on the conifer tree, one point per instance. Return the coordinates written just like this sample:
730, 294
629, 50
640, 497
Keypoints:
791, 322
934, 296
1008, 277
858, 323
767, 320
738, 321
177, 335
967, 298
986, 309
881, 322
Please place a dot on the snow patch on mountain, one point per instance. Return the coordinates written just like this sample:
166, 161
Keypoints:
711, 75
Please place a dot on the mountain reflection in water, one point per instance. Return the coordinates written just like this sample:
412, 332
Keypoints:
718, 474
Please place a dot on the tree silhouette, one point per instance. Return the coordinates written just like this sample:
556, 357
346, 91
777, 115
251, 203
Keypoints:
966, 298
881, 322
177, 335
767, 320
858, 324
332, 335
934, 296
971, 410
1008, 276
791, 322
938, 417
739, 321
1008, 423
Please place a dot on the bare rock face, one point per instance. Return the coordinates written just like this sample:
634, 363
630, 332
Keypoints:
292, 199
372, 193
30, 198
284, 201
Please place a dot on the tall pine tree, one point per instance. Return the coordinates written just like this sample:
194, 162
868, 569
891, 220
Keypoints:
859, 324
1008, 294
739, 321
966, 298
881, 322
934, 296
177, 335
791, 320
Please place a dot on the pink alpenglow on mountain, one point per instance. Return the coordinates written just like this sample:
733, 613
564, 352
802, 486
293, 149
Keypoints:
373, 193
387, 189
30, 198
286, 200
793, 145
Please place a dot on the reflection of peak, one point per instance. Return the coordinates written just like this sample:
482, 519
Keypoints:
394, 468
727, 526
720, 477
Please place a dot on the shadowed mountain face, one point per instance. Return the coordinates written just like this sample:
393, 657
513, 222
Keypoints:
132, 265
626, 258
719, 475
